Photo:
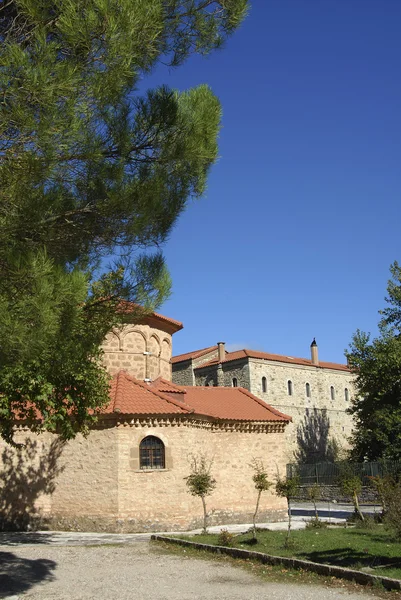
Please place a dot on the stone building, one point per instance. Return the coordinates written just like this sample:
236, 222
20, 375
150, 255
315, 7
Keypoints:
129, 473
315, 393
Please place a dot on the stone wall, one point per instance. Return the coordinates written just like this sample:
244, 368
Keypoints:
95, 484
207, 376
238, 370
143, 351
298, 405
183, 373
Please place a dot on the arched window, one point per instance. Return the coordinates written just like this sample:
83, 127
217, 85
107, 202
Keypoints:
289, 384
264, 384
346, 394
151, 453
235, 382
332, 393
307, 390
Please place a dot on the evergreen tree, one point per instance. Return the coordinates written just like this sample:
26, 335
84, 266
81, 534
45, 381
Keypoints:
377, 367
89, 170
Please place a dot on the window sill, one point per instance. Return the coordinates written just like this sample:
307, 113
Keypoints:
151, 470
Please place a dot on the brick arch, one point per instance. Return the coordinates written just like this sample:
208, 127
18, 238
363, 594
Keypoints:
154, 357
153, 347
134, 341
165, 349
112, 343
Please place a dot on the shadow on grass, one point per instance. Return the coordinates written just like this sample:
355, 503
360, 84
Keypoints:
17, 575
347, 557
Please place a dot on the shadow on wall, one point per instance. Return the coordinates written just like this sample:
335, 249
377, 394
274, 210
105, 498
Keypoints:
18, 574
26, 472
314, 442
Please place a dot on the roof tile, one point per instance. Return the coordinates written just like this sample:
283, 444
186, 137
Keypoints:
238, 354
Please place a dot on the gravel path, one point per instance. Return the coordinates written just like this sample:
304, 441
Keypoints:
137, 571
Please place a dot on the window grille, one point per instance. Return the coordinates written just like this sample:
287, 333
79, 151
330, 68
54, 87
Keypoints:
151, 453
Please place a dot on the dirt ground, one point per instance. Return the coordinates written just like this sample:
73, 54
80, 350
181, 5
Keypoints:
136, 571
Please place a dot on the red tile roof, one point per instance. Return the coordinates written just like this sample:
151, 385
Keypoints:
194, 354
132, 397
238, 354
129, 307
227, 403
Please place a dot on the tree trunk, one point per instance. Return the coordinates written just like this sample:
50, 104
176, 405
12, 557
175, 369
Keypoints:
289, 521
255, 513
316, 513
204, 515
356, 504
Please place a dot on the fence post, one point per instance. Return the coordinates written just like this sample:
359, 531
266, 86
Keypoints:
317, 475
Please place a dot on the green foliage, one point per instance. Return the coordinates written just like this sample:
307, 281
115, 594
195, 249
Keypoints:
200, 482
389, 492
260, 476
287, 487
351, 486
314, 494
377, 366
225, 538
262, 484
89, 170
316, 523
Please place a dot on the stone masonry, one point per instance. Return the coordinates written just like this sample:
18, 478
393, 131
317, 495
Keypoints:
324, 389
95, 483
98, 485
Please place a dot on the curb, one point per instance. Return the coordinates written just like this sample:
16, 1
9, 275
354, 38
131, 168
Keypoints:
293, 563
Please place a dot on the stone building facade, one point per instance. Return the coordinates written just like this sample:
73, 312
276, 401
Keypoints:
129, 473
315, 394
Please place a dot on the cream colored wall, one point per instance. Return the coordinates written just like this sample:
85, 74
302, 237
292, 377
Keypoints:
70, 479
143, 351
320, 381
96, 485
162, 494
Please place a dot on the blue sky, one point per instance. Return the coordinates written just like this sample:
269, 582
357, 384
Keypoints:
301, 218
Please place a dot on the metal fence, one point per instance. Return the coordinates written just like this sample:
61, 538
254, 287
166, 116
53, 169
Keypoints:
330, 473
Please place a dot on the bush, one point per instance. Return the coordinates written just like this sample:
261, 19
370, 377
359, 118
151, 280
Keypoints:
316, 523
392, 517
225, 538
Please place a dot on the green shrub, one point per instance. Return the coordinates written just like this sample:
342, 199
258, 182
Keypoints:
225, 538
316, 523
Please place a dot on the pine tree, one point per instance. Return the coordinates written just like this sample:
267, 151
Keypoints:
377, 366
91, 171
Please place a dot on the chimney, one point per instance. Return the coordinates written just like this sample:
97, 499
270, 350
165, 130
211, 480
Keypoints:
314, 353
222, 351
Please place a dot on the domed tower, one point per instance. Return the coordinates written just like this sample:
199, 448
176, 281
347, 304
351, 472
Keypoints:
142, 349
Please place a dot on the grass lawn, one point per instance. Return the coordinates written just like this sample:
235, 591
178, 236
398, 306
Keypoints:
373, 550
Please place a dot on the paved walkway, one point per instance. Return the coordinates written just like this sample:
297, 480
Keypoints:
333, 513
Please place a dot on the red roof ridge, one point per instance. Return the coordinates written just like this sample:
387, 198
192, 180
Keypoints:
145, 386
193, 354
238, 354
127, 306
169, 384
264, 404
